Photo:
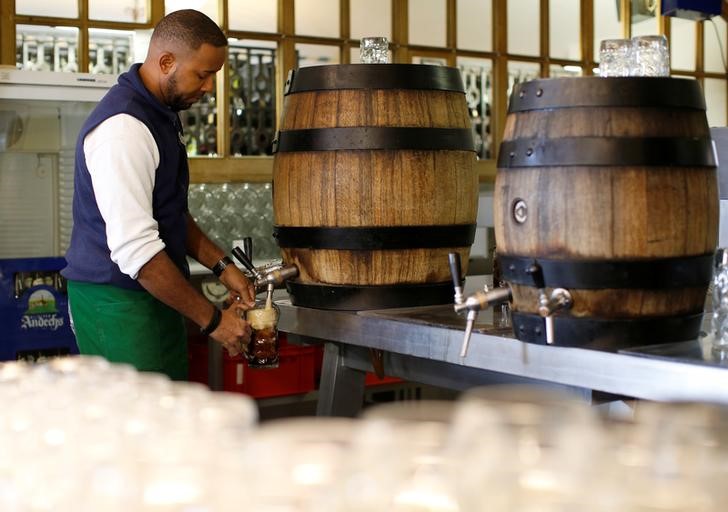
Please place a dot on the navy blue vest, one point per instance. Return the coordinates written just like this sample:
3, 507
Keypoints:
88, 255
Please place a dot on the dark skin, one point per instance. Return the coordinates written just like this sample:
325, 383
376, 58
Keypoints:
179, 77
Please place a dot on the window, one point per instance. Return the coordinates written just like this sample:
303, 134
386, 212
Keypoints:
564, 29
478, 80
316, 55
370, 18
427, 22
268, 37
682, 44
132, 11
318, 18
111, 51
56, 9
475, 25
715, 36
524, 27
43, 48
209, 7
253, 15
252, 97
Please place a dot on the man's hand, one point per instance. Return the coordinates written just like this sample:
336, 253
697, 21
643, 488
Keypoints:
160, 277
233, 333
242, 291
200, 247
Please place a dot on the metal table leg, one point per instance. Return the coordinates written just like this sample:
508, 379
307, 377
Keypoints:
214, 365
341, 391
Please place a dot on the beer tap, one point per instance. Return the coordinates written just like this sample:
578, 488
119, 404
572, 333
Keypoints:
247, 261
248, 247
560, 298
456, 273
472, 304
265, 277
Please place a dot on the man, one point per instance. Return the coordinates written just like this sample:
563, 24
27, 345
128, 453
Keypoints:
127, 271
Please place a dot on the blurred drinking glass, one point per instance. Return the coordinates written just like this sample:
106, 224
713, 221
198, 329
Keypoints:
374, 50
650, 56
397, 460
670, 458
522, 448
614, 57
293, 464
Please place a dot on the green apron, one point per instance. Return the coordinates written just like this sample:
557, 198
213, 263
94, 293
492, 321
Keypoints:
128, 326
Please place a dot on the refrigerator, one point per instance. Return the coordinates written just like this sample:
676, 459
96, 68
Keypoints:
41, 114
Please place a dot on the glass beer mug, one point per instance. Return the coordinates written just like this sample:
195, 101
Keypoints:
374, 50
262, 350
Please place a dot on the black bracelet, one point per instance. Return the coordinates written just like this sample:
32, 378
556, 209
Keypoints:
214, 323
221, 265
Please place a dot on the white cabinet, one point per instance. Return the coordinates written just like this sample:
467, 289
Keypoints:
40, 117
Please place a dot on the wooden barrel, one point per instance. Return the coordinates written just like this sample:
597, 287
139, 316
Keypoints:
373, 184
609, 185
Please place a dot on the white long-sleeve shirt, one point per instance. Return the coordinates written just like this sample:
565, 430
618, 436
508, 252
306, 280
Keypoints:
122, 158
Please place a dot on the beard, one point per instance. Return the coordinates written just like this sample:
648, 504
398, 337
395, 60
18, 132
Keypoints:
173, 98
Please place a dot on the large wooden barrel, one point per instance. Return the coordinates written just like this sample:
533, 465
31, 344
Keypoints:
373, 184
609, 185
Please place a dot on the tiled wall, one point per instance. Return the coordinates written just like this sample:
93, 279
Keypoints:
484, 232
231, 211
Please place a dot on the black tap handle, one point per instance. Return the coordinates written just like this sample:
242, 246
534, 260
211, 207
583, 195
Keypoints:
243, 258
455, 269
248, 247
536, 273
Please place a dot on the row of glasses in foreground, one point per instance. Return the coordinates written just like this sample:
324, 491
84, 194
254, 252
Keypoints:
105, 437
496, 449
79, 434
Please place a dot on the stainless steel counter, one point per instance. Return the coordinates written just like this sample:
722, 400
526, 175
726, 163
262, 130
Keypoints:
423, 345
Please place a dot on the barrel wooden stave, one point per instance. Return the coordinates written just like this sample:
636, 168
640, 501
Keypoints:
608, 212
374, 107
373, 268
606, 122
374, 188
618, 302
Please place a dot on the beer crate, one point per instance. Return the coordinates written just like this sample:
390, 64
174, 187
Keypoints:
371, 379
294, 375
34, 318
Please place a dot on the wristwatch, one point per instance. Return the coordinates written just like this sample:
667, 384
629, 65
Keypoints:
221, 265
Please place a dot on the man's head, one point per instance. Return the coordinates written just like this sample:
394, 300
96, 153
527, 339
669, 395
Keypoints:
186, 50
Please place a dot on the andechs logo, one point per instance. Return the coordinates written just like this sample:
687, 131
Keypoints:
41, 312
41, 301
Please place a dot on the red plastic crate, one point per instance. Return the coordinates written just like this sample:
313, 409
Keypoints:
197, 354
282, 339
294, 375
371, 379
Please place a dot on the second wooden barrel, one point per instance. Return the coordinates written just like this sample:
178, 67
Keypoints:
373, 184
609, 186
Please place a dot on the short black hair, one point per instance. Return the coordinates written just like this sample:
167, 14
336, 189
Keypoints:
189, 28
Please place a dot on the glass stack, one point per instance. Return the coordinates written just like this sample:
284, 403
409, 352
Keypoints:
639, 56
80, 434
